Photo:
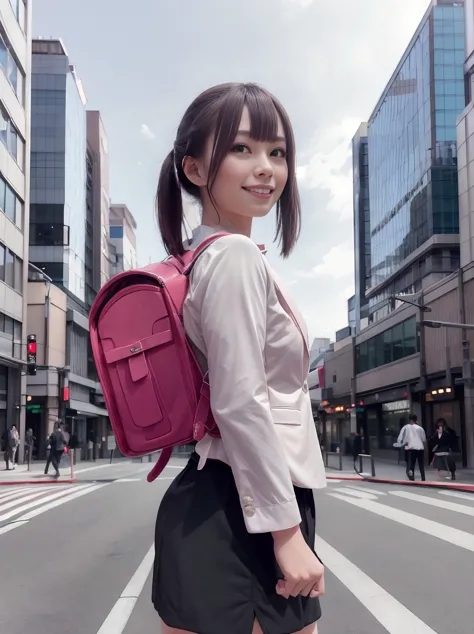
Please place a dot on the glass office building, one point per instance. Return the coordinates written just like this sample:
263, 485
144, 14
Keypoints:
413, 162
58, 168
361, 204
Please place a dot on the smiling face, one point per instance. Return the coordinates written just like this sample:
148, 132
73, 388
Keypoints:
251, 178
235, 153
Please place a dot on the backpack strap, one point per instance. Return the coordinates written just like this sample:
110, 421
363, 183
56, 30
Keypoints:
199, 250
160, 465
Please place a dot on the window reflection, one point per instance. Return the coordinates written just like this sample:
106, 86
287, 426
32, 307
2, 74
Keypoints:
393, 344
11, 70
412, 152
11, 138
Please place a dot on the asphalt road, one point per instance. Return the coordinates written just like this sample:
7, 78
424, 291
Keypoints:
76, 559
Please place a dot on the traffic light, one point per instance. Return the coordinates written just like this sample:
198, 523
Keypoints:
31, 354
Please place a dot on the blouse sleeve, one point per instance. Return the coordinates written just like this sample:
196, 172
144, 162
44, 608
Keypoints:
233, 285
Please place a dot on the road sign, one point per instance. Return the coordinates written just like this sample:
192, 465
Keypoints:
111, 443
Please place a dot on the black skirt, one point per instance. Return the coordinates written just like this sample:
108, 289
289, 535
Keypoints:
210, 575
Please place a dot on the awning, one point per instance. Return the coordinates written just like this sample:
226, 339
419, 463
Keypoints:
87, 409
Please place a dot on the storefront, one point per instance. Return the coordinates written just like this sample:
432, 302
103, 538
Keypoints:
336, 425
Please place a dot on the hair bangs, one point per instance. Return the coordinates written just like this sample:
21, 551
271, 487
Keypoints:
263, 114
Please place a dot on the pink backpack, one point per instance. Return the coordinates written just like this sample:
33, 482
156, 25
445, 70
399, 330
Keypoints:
155, 391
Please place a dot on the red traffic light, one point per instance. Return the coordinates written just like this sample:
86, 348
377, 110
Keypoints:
32, 347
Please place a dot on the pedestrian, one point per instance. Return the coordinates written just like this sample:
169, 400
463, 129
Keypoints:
10, 443
29, 445
57, 444
413, 437
235, 531
442, 448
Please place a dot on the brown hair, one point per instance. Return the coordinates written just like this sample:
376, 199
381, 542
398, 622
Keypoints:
219, 110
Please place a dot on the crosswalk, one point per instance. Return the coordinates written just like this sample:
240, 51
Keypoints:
20, 504
363, 570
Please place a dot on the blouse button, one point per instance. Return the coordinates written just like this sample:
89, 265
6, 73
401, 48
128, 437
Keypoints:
249, 506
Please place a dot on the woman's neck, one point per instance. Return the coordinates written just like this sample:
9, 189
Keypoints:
238, 224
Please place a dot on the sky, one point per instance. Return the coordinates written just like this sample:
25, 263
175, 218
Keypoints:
142, 63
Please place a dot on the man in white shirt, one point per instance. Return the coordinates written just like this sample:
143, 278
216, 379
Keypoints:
414, 438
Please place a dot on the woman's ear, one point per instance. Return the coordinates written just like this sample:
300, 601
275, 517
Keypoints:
194, 171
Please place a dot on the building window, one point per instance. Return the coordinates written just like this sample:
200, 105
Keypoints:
11, 70
10, 204
11, 138
11, 269
19, 9
393, 344
48, 234
116, 232
18, 275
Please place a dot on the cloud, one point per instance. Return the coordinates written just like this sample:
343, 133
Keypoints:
146, 132
337, 264
330, 169
301, 3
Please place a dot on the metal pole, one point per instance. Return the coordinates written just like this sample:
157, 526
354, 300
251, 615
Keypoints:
447, 324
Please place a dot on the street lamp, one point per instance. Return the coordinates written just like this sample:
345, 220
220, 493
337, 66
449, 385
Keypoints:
419, 305
447, 324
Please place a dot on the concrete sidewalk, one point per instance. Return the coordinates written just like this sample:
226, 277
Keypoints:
36, 475
388, 472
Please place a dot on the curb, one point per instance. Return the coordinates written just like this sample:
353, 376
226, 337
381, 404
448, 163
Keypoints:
430, 484
30, 482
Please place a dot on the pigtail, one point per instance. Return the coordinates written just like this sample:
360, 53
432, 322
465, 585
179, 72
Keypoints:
170, 207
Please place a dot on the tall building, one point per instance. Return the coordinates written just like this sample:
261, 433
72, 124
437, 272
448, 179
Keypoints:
421, 241
465, 138
361, 205
58, 168
123, 238
98, 203
15, 62
414, 222
66, 200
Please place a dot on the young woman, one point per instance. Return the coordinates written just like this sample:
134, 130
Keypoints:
236, 529
442, 443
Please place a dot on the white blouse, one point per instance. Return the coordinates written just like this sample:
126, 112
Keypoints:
258, 361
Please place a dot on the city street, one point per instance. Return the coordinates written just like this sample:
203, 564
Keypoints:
76, 558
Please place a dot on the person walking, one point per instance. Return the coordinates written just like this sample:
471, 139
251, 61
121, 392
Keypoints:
413, 437
56, 443
442, 448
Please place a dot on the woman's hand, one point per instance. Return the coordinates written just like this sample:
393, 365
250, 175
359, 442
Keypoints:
302, 570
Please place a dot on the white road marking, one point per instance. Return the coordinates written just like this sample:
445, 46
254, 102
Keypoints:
119, 615
30, 505
18, 499
101, 466
460, 496
363, 495
429, 527
128, 480
334, 481
74, 494
390, 613
366, 489
441, 504
11, 527
11, 493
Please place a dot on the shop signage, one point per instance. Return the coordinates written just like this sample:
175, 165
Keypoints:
396, 406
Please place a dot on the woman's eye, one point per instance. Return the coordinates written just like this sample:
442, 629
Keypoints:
240, 148
279, 153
